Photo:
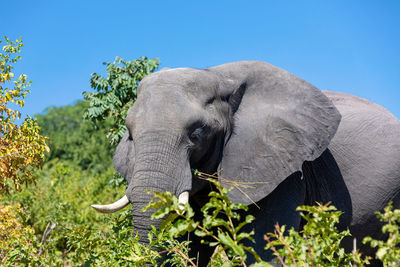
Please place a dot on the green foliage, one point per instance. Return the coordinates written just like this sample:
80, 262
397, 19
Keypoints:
318, 244
83, 237
112, 246
389, 250
18, 244
75, 139
22, 148
68, 192
76, 175
63, 195
118, 246
116, 93
220, 215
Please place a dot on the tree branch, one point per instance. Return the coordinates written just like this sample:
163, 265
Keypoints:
181, 253
46, 234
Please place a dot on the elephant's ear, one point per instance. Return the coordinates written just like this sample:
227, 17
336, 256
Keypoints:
123, 155
279, 121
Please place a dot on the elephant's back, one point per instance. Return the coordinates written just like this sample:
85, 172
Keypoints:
367, 150
348, 103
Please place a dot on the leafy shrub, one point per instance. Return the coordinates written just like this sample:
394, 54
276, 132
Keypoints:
63, 195
218, 223
110, 240
388, 251
18, 244
317, 244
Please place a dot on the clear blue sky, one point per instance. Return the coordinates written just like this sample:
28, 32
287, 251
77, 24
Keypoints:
347, 46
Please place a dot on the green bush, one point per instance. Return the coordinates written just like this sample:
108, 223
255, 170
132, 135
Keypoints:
317, 244
388, 251
18, 244
83, 237
63, 195
218, 223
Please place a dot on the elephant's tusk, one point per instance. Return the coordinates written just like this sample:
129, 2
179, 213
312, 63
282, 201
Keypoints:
184, 198
110, 208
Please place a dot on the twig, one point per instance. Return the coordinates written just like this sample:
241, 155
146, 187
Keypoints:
311, 253
285, 244
303, 249
46, 234
234, 238
181, 253
205, 176
238, 185
354, 249
209, 233
274, 250
238, 188
244, 264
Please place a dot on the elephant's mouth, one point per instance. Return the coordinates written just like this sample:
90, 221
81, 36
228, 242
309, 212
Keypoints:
123, 202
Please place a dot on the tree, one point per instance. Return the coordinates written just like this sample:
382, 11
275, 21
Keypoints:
22, 148
75, 139
117, 93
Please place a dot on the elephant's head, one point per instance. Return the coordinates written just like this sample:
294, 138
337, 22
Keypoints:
250, 121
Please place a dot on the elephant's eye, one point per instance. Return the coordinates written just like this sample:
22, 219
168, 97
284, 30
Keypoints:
196, 135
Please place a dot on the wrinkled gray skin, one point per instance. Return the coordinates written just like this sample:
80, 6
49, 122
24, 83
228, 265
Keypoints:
253, 122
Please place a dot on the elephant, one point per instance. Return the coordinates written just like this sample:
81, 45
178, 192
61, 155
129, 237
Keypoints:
252, 122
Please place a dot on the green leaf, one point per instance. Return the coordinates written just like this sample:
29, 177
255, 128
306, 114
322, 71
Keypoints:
200, 233
261, 264
227, 264
227, 240
181, 227
168, 221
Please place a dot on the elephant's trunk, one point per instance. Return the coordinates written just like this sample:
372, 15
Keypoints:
159, 166
139, 199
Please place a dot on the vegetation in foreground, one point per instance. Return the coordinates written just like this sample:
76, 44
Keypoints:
81, 237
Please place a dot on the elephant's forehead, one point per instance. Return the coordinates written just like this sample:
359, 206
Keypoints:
169, 118
173, 96
157, 101
186, 80
155, 108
